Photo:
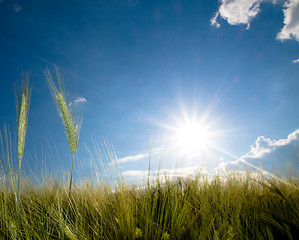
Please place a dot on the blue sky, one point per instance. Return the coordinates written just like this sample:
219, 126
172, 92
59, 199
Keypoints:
150, 70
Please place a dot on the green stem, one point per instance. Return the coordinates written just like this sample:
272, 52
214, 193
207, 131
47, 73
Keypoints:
18, 199
71, 180
149, 165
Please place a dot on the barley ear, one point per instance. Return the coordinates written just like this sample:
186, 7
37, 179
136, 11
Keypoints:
71, 128
69, 125
23, 97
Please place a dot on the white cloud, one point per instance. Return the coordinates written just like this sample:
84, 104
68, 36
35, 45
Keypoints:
80, 100
214, 20
272, 155
175, 172
17, 7
134, 173
184, 172
296, 60
237, 12
291, 21
133, 158
137, 157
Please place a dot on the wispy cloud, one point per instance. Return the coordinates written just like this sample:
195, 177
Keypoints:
133, 158
175, 172
134, 173
80, 100
214, 20
272, 155
17, 7
291, 21
296, 60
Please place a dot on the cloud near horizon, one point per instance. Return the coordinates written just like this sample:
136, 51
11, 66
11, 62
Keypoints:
137, 157
272, 155
132, 158
237, 12
174, 172
296, 60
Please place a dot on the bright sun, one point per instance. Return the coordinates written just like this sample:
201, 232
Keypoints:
191, 137
193, 133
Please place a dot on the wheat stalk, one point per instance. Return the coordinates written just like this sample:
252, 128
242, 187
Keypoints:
72, 129
22, 105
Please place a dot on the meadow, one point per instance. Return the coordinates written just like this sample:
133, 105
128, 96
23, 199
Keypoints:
239, 205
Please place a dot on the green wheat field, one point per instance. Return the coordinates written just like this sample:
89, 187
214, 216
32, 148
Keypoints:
232, 206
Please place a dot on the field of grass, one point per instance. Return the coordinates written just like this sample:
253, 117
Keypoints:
234, 207
231, 206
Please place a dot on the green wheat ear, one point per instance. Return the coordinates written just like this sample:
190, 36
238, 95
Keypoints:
69, 125
72, 128
23, 97
22, 105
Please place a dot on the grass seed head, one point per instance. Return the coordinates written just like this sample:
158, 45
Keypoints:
22, 125
69, 125
72, 128
22, 104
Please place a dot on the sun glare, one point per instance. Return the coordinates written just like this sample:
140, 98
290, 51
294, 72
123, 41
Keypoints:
191, 137
193, 133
